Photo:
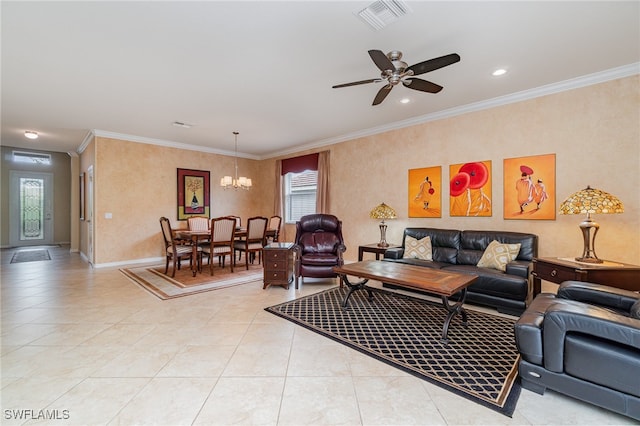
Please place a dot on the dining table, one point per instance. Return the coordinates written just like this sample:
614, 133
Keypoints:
195, 237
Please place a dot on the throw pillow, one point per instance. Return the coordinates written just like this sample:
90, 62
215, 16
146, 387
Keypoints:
417, 249
497, 255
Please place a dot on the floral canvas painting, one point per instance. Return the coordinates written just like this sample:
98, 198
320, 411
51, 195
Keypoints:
470, 189
530, 187
425, 192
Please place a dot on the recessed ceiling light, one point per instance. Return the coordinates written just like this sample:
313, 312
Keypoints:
499, 71
405, 100
31, 134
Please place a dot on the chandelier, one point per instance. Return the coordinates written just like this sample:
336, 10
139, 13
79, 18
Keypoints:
237, 182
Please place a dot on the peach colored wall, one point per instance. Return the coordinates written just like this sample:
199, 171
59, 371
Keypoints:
137, 184
594, 132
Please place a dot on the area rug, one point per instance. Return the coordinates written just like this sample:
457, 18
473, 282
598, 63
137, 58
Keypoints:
478, 363
30, 256
154, 280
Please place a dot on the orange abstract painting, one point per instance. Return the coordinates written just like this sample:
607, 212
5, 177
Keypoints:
425, 192
530, 187
470, 189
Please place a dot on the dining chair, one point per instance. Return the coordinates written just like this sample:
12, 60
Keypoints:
254, 241
274, 225
221, 241
198, 223
238, 220
174, 248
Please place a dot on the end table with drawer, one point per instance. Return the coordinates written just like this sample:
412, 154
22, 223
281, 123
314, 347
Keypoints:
611, 273
279, 264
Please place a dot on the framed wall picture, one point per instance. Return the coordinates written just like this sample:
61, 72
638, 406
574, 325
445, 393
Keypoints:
470, 189
530, 187
425, 192
193, 193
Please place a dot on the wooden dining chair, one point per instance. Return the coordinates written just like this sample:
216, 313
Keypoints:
221, 241
274, 226
174, 248
198, 223
254, 241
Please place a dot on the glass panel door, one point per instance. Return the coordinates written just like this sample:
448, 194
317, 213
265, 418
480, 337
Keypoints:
30, 208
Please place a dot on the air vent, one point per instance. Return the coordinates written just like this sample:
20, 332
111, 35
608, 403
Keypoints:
382, 13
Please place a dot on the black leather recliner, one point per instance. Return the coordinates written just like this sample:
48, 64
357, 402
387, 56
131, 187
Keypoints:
583, 342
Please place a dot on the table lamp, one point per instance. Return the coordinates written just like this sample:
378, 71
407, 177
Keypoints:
383, 212
590, 200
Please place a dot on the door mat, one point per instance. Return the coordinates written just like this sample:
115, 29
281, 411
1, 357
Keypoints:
479, 363
30, 256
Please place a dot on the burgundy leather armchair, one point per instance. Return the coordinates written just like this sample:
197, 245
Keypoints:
320, 246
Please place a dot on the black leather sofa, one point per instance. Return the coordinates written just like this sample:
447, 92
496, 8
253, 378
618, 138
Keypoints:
583, 342
459, 251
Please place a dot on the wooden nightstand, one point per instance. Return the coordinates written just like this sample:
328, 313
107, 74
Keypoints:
557, 270
373, 248
278, 264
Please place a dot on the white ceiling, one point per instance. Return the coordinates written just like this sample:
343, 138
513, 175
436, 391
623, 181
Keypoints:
266, 68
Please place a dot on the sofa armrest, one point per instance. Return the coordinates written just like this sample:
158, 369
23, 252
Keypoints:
519, 268
597, 294
394, 253
562, 319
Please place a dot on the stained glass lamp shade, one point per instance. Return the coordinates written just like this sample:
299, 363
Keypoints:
383, 211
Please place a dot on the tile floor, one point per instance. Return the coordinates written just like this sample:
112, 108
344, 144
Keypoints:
90, 347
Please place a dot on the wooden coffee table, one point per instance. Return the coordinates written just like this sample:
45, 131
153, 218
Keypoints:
444, 284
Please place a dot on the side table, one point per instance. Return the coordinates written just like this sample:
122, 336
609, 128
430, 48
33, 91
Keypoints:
374, 248
279, 264
557, 270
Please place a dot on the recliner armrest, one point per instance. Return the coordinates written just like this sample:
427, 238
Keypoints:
519, 268
597, 294
561, 319
394, 253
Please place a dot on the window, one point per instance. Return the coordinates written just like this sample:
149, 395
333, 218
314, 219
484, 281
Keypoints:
31, 157
300, 194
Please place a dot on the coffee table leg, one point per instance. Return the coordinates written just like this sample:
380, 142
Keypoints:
453, 310
353, 287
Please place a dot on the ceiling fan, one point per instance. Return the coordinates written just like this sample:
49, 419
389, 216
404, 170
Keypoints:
395, 71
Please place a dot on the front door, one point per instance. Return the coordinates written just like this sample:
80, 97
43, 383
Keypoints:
30, 208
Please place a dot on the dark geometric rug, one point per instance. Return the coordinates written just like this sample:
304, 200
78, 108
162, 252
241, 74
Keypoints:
30, 256
479, 362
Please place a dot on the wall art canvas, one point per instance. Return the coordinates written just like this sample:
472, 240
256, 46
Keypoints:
425, 192
193, 193
530, 187
470, 189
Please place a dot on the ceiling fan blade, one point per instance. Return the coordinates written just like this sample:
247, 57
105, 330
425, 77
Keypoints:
355, 83
434, 64
381, 60
382, 93
422, 85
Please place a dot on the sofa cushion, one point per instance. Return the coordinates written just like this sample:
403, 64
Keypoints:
417, 248
635, 310
497, 255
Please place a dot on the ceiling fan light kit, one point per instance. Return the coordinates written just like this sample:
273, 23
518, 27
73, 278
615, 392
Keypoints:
395, 71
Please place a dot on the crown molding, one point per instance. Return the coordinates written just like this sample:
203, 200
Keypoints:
549, 89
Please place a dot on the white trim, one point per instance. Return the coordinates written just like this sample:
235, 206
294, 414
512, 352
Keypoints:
575, 83
149, 260
561, 86
170, 144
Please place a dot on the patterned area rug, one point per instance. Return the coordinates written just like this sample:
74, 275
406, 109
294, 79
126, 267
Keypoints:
479, 362
30, 256
154, 280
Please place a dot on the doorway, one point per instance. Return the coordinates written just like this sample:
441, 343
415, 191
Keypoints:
30, 208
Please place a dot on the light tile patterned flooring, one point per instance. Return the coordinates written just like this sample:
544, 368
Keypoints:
90, 347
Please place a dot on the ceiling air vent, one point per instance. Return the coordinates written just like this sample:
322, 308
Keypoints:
381, 13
